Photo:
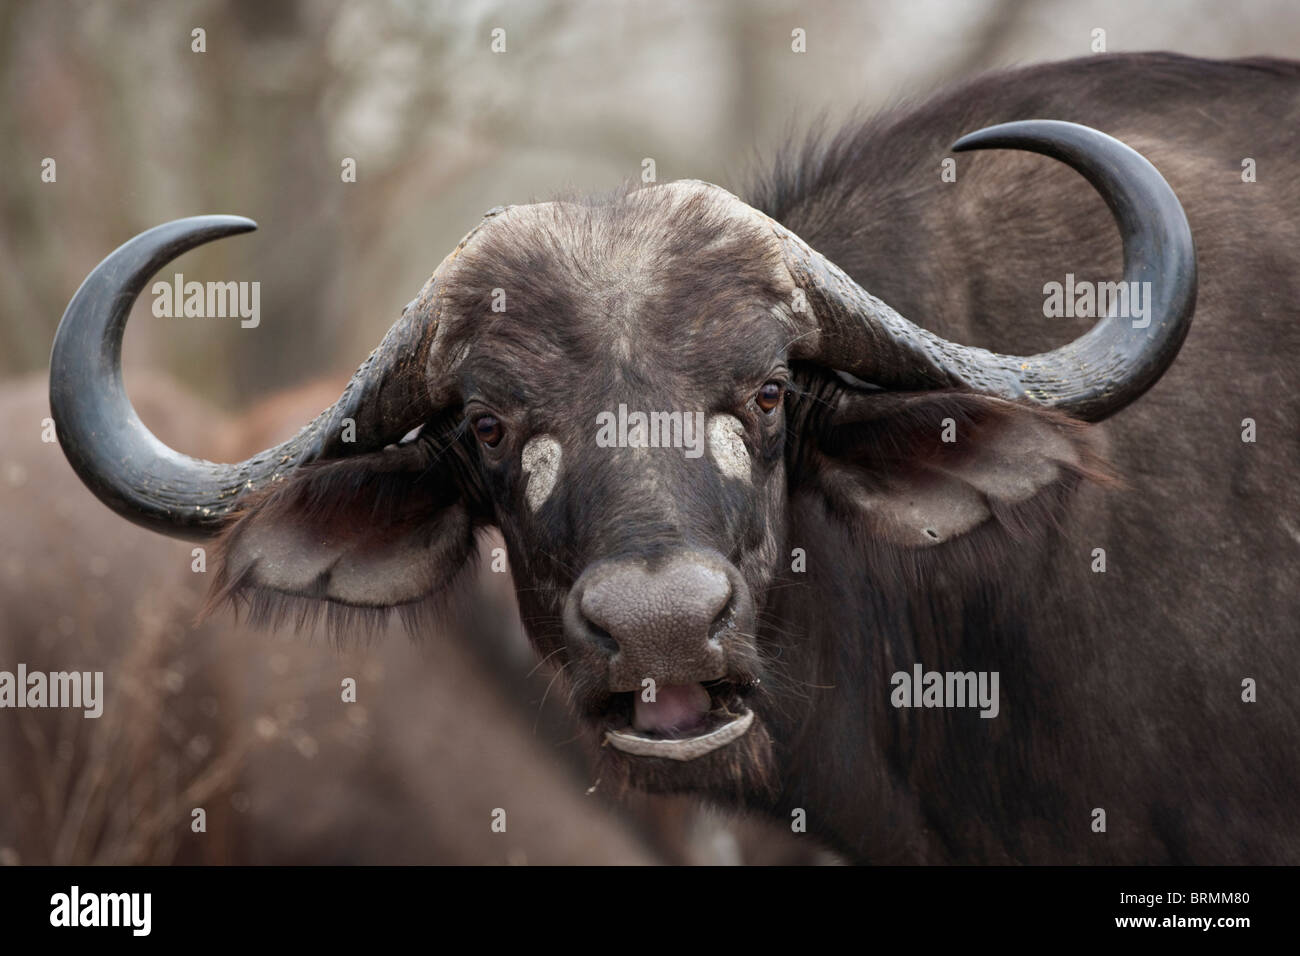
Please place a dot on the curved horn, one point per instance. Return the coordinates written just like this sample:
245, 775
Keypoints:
1090, 378
145, 481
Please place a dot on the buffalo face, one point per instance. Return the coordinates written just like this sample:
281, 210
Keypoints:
637, 472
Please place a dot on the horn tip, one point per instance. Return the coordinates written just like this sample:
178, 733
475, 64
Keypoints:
980, 139
1014, 133
235, 224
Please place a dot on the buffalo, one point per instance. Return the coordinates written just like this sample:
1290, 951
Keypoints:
794, 551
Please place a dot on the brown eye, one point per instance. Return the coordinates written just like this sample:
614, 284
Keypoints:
488, 430
769, 396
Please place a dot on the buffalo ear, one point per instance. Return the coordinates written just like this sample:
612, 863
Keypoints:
377, 531
918, 469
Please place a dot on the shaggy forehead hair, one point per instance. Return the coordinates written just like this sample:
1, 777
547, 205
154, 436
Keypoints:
592, 278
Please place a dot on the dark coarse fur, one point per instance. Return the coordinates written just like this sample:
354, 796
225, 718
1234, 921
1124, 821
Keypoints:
1119, 690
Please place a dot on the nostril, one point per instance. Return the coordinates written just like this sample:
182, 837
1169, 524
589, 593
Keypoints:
597, 620
601, 637
703, 593
724, 621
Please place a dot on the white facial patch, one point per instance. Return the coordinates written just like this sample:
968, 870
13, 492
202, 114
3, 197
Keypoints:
541, 462
727, 445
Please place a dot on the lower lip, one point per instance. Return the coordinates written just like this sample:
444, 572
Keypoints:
688, 748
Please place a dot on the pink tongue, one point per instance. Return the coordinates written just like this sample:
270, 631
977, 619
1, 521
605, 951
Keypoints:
675, 707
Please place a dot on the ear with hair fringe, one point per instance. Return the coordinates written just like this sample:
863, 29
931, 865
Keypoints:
915, 470
355, 538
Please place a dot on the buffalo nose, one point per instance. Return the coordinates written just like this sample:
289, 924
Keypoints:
658, 621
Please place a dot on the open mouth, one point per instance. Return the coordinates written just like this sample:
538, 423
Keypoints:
683, 722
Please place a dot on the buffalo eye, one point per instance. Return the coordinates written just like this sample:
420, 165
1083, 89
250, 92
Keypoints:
488, 430
769, 396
